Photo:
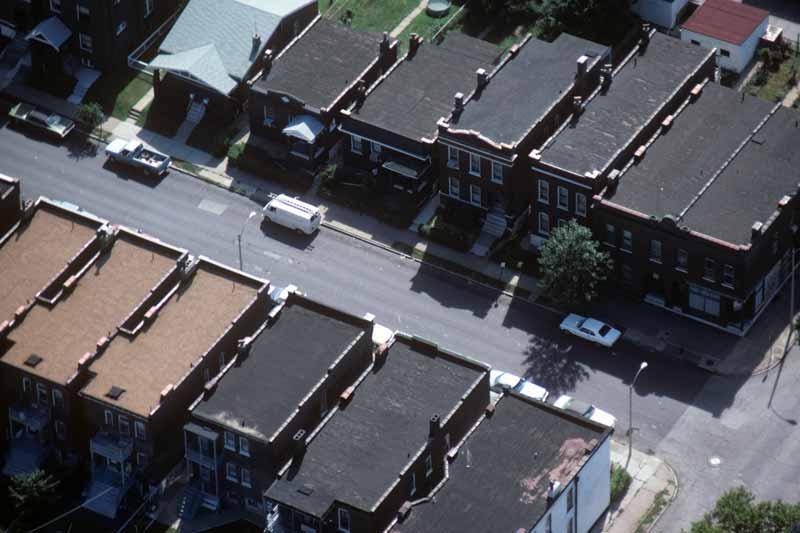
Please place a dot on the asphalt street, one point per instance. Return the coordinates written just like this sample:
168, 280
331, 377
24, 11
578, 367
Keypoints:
682, 413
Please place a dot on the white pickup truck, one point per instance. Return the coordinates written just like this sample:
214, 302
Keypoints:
135, 154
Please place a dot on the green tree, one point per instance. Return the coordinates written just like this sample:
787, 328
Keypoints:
736, 511
31, 494
604, 21
90, 115
572, 265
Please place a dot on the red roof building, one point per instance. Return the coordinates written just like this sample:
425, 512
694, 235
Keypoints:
726, 20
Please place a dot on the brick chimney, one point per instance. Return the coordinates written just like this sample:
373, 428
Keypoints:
458, 101
267, 63
434, 425
606, 76
582, 64
482, 78
414, 41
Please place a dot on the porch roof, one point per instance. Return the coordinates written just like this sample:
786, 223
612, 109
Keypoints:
305, 127
50, 31
203, 63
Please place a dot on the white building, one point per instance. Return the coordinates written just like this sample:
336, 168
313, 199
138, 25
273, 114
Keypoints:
732, 28
663, 13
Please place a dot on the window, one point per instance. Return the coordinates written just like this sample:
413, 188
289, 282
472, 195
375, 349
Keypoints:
570, 498
611, 234
709, 271
246, 477
413, 483
55, 6
61, 430
544, 223
149, 5
230, 441
41, 394
695, 42
627, 240
497, 172
474, 165
138, 429
728, 275
124, 426
269, 115
109, 418
141, 459
475, 194
58, 398
230, 472
121, 27
454, 187
375, 148
544, 191
682, 260
655, 250
428, 466
452, 157
580, 204
85, 42
26, 384
344, 520
563, 198
724, 53
356, 144
244, 446
82, 10
703, 300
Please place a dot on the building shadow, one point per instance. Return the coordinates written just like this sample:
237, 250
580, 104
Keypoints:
454, 291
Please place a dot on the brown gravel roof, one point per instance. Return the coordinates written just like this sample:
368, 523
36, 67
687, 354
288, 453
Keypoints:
37, 252
162, 353
103, 297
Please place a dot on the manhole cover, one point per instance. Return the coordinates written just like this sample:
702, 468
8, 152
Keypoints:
715, 461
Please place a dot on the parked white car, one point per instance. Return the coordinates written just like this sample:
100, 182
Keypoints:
499, 381
586, 410
590, 329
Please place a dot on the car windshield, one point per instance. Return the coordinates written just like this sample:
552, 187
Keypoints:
581, 322
604, 330
52, 120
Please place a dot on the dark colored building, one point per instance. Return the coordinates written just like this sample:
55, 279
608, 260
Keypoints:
284, 382
216, 49
528, 466
606, 129
140, 385
485, 139
392, 128
98, 34
702, 219
10, 203
298, 98
386, 442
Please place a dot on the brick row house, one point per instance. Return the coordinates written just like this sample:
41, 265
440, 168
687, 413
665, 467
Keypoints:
391, 129
484, 140
236, 439
296, 102
217, 48
140, 386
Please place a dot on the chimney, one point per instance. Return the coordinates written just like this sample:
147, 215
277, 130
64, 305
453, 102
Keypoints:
402, 514
606, 76
267, 63
577, 104
697, 90
414, 41
483, 78
582, 63
613, 180
756, 231
256, 43
644, 38
242, 349
435, 424
299, 442
384, 43
459, 101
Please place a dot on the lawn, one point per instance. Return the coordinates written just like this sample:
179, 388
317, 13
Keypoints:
426, 26
774, 84
117, 92
369, 15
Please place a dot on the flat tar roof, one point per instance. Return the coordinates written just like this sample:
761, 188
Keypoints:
357, 456
419, 91
500, 479
111, 288
525, 87
194, 317
38, 251
288, 358
611, 119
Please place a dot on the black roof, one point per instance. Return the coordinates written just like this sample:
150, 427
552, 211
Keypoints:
612, 118
419, 91
360, 452
322, 63
706, 134
285, 361
525, 87
500, 479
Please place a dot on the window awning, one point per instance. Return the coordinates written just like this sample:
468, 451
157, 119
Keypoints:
305, 127
51, 31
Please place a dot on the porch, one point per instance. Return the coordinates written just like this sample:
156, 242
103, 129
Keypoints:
25, 455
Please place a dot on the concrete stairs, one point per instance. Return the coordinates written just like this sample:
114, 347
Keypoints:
190, 502
196, 112
494, 226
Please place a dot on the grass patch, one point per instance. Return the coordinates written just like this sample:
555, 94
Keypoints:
187, 166
658, 505
773, 84
212, 135
251, 161
369, 15
117, 92
442, 230
620, 481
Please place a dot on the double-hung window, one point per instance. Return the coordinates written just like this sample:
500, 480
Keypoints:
497, 172
454, 187
580, 204
544, 223
246, 477
26, 384
710, 270
563, 198
452, 157
682, 260
244, 446
109, 418
375, 148
85, 42
475, 194
728, 275
138, 429
474, 165
41, 394
230, 472
269, 114
627, 240
611, 234
343, 516
655, 250
544, 191
124, 426
230, 441
58, 399
356, 144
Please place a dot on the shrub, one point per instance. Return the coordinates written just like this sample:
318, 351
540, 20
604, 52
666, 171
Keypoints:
90, 115
620, 481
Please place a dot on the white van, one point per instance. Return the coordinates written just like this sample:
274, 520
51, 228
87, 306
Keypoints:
293, 214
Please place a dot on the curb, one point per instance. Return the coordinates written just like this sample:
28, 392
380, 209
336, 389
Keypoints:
672, 498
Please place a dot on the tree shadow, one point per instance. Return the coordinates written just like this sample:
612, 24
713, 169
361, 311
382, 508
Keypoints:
439, 284
80, 146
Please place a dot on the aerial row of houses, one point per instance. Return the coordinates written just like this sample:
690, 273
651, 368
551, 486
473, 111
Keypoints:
138, 362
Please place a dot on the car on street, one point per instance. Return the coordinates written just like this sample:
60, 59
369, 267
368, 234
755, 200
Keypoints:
51, 123
586, 410
135, 154
292, 213
590, 329
500, 381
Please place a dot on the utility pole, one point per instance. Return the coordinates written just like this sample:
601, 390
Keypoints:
630, 411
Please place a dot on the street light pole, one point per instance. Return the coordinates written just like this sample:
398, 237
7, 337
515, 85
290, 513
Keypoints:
239, 238
630, 410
